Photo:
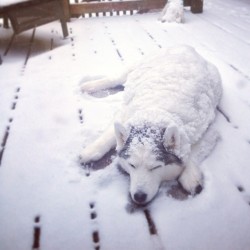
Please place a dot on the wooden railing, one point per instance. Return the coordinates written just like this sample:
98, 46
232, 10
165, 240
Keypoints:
95, 8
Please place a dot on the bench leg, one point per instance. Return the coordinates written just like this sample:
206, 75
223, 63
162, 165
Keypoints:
196, 6
63, 18
5, 22
64, 28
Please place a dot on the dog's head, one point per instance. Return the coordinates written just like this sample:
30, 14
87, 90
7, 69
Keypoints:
148, 155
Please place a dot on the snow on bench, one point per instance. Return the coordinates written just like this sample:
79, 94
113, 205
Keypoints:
4, 3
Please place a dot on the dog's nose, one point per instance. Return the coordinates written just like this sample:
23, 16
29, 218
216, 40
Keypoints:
140, 197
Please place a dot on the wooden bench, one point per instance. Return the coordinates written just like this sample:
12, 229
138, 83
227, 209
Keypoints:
26, 15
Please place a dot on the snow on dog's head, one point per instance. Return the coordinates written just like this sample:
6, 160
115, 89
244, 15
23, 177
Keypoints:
147, 154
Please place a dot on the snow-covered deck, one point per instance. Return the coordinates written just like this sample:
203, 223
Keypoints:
48, 202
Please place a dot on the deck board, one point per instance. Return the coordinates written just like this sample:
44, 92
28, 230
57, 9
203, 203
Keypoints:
52, 121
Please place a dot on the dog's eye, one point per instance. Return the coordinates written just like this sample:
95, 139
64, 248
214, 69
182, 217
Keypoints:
154, 168
131, 165
121, 170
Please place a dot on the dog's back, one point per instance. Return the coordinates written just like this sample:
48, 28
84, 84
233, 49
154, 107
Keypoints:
177, 85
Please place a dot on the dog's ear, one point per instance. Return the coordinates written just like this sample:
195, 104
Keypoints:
175, 141
121, 136
171, 139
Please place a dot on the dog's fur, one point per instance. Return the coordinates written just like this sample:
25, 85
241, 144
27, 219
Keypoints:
163, 126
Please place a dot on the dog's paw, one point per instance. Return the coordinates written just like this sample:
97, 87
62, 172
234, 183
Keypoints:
86, 156
89, 87
90, 153
82, 161
96, 85
192, 180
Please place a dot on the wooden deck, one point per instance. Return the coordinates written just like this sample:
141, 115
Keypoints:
43, 123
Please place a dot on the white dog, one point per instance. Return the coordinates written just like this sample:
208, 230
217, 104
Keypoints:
163, 126
173, 12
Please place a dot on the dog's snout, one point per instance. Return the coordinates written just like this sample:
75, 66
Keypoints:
140, 197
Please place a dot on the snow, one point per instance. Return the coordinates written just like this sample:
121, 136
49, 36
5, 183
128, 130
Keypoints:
9, 2
52, 121
173, 12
